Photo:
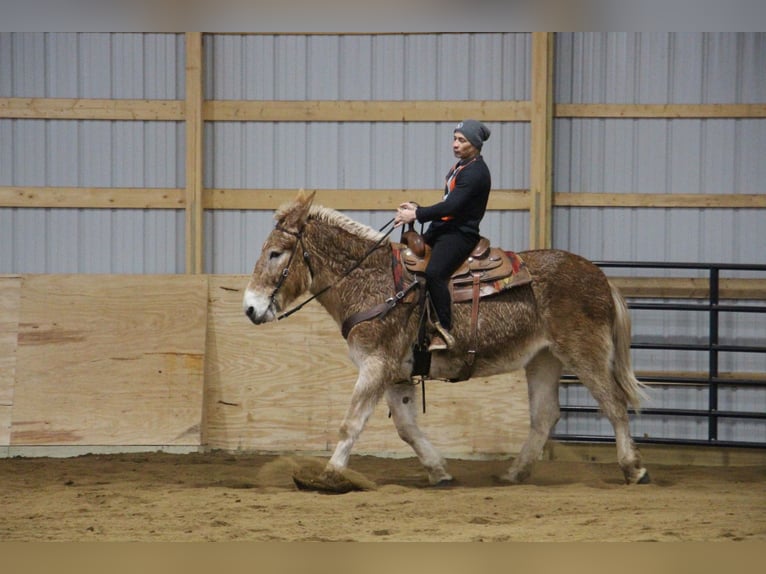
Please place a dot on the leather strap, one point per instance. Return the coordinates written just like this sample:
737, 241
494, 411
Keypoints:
379, 310
474, 319
466, 370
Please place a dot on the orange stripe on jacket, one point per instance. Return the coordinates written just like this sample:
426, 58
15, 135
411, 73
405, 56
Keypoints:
450, 184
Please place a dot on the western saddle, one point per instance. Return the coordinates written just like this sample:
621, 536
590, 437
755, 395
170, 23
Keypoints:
487, 271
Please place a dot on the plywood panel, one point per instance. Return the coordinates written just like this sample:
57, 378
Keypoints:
285, 387
10, 292
110, 360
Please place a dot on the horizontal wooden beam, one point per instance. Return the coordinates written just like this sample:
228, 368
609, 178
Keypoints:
677, 200
91, 109
354, 110
92, 197
667, 111
366, 110
689, 288
347, 199
352, 199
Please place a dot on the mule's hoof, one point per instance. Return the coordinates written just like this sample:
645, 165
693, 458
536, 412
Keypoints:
644, 478
444, 483
316, 485
507, 478
330, 482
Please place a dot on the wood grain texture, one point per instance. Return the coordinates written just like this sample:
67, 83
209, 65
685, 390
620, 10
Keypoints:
194, 229
91, 109
92, 197
118, 360
109, 360
669, 111
366, 110
661, 200
541, 142
285, 387
10, 294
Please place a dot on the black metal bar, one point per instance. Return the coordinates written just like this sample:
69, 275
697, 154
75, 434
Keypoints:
713, 357
675, 412
698, 347
697, 307
658, 440
671, 265
668, 380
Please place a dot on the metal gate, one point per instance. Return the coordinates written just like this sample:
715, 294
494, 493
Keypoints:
749, 415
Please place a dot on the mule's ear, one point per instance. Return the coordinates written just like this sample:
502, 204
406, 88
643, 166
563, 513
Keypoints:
300, 214
306, 198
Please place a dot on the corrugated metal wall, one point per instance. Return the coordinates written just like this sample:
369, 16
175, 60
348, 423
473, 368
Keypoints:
356, 155
84, 153
590, 155
660, 155
597, 155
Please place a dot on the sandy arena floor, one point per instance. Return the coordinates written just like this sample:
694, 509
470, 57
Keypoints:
224, 497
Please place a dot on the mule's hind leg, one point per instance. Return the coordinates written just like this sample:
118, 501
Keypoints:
403, 407
600, 381
543, 373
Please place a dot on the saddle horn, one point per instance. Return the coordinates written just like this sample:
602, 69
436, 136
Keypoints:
414, 240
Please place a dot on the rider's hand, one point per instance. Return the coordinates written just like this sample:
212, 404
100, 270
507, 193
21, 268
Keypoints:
405, 214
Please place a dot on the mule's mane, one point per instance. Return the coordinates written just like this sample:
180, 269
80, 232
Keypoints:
337, 219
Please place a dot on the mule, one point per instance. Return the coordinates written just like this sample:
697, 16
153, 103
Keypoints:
569, 317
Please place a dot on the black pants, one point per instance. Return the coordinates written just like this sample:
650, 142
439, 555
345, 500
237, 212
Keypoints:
448, 251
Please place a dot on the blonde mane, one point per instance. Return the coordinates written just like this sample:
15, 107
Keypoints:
337, 219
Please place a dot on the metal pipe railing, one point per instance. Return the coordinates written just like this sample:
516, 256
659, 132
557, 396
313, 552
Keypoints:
712, 347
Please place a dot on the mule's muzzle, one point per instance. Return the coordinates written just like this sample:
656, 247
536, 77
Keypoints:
258, 308
259, 318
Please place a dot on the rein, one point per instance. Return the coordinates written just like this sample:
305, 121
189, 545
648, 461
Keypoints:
306, 256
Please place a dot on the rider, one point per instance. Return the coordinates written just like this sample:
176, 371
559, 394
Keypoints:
454, 228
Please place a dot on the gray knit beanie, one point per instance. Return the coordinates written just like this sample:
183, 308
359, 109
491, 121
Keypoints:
474, 131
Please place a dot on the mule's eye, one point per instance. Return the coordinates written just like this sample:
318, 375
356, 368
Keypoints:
274, 255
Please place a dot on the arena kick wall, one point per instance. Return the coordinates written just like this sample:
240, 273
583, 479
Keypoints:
116, 363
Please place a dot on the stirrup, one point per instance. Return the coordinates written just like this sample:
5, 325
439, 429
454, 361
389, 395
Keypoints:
442, 340
437, 344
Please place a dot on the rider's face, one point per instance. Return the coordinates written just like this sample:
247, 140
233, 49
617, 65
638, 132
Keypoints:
462, 148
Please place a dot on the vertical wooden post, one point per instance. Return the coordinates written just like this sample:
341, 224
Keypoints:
194, 144
541, 153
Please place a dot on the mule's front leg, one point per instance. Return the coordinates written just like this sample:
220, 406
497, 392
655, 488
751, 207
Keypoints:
367, 392
401, 402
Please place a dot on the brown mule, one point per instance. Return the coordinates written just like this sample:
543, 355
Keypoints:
569, 316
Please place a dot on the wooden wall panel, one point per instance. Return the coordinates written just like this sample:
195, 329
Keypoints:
110, 360
285, 387
117, 361
10, 293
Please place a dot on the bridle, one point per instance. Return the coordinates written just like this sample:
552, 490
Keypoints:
286, 270
307, 259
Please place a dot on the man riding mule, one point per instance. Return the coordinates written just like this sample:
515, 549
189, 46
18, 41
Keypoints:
568, 317
454, 229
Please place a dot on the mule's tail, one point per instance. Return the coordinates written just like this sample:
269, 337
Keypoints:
622, 369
